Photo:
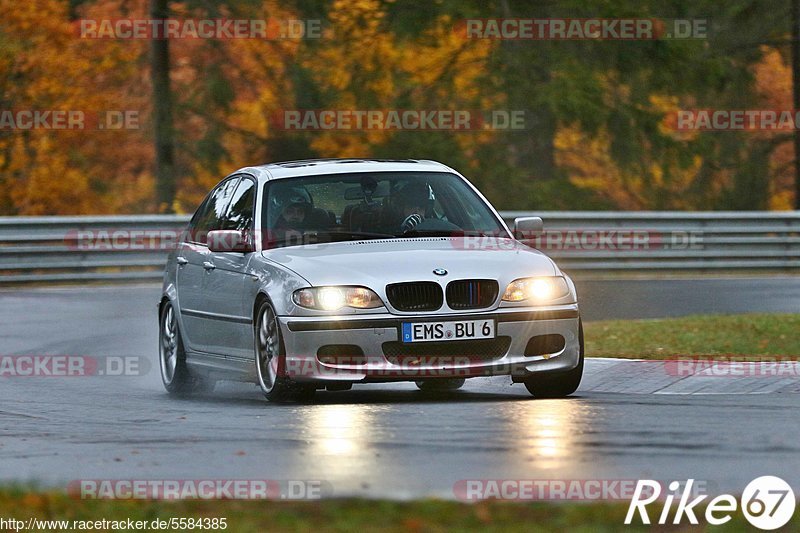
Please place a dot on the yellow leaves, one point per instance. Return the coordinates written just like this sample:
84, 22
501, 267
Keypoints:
669, 106
773, 79
782, 200
47, 66
361, 55
367, 67
55, 188
228, 92
589, 165
358, 64
441, 52
782, 173
356, 18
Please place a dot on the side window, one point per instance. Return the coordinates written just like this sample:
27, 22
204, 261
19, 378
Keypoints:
188, 236
240, 212
210, 215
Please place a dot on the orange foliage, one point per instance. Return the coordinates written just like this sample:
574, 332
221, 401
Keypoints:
358, 64
46, 67
774, 85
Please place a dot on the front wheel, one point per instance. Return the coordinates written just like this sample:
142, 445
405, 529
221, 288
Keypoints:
561, 384
270, 360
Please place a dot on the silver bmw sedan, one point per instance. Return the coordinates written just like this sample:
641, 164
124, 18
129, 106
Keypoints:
319, 274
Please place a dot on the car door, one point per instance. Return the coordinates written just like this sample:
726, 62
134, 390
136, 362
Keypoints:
224, 285
194, 266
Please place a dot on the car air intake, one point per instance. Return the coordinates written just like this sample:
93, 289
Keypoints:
471, 293
545, 345
415, 296
341, 354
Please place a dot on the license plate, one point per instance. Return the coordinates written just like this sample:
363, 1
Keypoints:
457, 330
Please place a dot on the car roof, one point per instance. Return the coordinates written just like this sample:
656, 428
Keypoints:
315, 167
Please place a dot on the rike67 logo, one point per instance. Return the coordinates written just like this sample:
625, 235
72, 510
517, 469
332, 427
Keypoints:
767, 502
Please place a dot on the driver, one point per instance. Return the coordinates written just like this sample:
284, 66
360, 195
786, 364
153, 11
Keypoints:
412, 202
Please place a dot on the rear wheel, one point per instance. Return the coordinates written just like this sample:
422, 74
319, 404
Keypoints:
172, 357
441, 384
270, 360
561, 384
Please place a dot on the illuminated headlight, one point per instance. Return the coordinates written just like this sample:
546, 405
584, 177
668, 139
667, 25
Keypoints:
538, 290
333, 298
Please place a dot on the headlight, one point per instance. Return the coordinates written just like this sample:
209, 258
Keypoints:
333, 298
537, 290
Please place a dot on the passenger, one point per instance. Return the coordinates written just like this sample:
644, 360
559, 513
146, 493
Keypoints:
294, 205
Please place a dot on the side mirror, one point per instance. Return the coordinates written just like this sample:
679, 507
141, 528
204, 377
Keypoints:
229, 240
528, 227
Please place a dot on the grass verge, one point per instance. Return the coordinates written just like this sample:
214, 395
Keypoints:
751, 335
342, 515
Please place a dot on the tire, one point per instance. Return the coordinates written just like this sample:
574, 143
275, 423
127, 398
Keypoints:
560, 384
172, 357
441, 384
269, 353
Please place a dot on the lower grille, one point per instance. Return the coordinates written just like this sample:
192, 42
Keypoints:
400, 353
471, 293
415, 296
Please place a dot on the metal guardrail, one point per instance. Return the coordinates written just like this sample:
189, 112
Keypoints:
90, 248
67, 249
673, 240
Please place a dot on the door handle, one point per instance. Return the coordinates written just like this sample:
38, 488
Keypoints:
208, 265
181, 260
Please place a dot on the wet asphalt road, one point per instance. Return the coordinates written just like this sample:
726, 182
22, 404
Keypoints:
384, 440
657, 298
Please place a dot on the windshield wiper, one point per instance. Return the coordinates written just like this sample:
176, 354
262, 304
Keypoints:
455, 233
357, 234
321, 236
433, 233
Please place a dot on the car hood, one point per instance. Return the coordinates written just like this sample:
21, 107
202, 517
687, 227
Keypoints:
375, 263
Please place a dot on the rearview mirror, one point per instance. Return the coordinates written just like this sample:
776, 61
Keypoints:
528, 227
229, 240
357, 193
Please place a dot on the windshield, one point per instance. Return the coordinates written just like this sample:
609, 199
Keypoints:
373, 205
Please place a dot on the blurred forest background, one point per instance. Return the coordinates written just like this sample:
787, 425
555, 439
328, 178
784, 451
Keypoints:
597, 111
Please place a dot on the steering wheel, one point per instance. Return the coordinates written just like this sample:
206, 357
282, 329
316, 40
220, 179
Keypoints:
432, 224
410, 222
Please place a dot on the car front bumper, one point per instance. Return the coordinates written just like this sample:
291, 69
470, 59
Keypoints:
377, 337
